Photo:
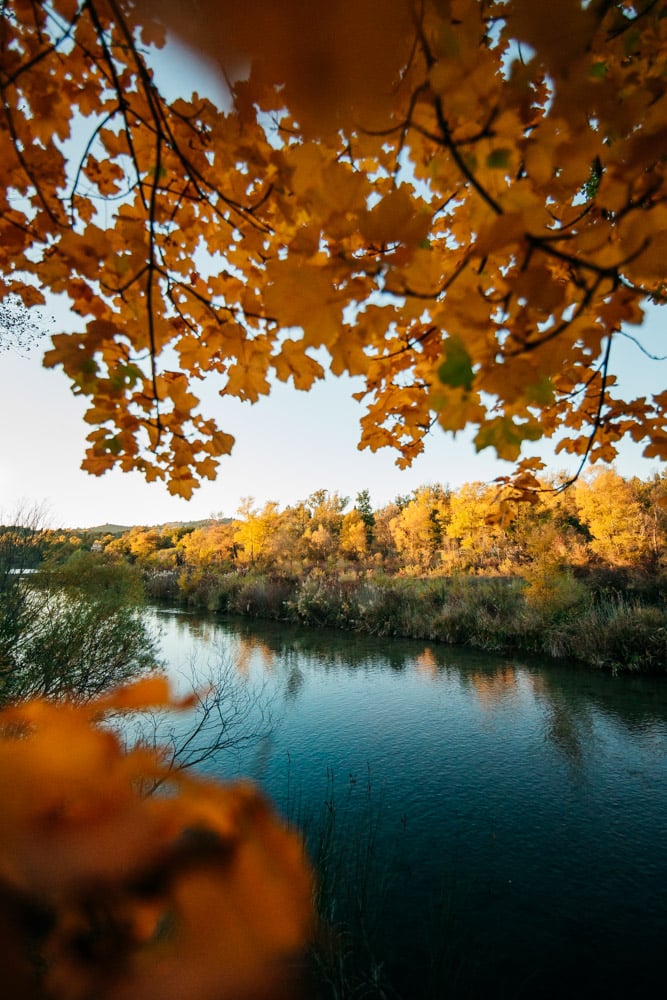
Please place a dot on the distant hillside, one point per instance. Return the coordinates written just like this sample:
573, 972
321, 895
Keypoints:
121, 529
103, 529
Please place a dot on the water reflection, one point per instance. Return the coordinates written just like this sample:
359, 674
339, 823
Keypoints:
426, 664
569, 722
571, 709
495, 688
295, 681
519, 811
568, 696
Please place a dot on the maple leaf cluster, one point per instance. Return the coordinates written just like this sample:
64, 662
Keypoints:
461, 202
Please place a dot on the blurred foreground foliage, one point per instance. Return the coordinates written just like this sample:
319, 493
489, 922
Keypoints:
106, 891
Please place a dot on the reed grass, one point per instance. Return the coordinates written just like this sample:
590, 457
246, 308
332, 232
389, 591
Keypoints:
363, 855
355, 875
554, 615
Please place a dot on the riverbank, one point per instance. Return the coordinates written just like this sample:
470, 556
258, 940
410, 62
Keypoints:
593, 622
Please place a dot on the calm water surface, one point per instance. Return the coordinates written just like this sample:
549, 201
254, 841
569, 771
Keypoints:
502, 822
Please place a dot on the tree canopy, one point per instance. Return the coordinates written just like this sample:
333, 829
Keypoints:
462, 202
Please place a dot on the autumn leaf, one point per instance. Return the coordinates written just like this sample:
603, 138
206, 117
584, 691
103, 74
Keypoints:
142, 875
397, 219
292, 361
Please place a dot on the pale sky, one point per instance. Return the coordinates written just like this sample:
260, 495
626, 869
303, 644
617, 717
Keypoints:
288, 445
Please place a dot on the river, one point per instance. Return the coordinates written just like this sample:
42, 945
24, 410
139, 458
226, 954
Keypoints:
488, 827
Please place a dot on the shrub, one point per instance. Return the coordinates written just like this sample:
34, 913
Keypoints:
77, 647
619, 635
260, 597
74, 630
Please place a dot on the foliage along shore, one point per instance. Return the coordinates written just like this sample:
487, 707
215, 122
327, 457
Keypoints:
587, 621
579, 574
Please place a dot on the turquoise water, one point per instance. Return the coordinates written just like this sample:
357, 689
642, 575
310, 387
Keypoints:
500, 823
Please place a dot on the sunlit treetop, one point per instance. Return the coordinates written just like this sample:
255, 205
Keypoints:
461, 202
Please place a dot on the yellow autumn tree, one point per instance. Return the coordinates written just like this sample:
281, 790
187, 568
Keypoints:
321, 535
418, 529
210, 545
462, 202
469, 521
354, 535
253, 531
610, 507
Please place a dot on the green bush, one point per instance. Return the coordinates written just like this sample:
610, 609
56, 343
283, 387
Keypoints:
72, 630
77, 647
94, 575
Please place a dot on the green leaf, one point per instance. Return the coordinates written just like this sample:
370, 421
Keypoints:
540, 393
498, 159
456, 369
125, 375
157, 173
506, 436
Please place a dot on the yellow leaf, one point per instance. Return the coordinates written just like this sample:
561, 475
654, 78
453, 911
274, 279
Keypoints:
148, 692
397, 218
292, 361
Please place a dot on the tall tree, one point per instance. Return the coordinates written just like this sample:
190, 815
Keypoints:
470, 523
364, 506
610, 507
418, 528
461, 202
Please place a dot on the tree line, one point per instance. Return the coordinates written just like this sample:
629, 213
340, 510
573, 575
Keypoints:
603, 522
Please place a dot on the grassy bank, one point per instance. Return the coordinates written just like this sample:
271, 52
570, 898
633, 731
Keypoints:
594, 622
